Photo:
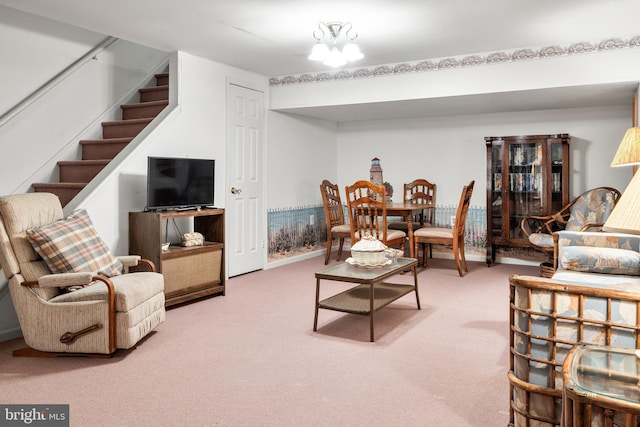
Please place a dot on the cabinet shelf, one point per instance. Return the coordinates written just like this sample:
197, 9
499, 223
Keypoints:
530, 176
189, 272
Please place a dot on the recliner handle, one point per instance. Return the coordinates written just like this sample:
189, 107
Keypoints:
70, 337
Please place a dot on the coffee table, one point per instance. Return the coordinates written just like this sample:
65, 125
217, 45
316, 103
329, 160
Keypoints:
371, 292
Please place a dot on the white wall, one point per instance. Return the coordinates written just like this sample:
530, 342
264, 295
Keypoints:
28, 59
301, 153
451, 150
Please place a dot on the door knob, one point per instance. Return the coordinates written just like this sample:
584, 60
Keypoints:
235, 190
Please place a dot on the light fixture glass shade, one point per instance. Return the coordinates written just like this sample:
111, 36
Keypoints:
351, 52
625, 217
629, 150
335, 58
320, 52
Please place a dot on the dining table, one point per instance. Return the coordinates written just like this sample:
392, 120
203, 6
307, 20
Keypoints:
407, 210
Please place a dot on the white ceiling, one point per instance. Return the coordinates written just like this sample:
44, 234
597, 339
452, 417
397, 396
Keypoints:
274, 37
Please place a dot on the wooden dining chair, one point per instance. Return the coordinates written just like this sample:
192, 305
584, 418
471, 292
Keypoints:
367, 207
448, 236
418, 191
334, 215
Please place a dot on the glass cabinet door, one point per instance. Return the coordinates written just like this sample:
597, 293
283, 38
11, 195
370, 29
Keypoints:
557, 199
526, 184
497, 185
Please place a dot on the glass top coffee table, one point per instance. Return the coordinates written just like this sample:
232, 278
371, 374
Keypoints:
601, 386
371, 292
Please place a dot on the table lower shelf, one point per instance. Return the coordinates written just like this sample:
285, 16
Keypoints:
357, 300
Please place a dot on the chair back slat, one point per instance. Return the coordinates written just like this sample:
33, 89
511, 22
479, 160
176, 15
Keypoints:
421, 191
333, 208
367, 210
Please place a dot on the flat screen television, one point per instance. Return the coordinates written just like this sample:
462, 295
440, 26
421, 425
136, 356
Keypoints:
179, 183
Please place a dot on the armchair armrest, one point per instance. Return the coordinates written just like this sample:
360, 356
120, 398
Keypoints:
61, 280
547, 224
129, 260
134, 261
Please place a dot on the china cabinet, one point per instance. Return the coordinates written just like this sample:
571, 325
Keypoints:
526, 175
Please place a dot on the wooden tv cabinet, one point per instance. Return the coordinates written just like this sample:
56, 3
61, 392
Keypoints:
189, 272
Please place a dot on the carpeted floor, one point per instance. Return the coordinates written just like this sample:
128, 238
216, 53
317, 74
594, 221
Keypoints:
251, 358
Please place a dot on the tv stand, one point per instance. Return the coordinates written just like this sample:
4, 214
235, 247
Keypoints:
189, 272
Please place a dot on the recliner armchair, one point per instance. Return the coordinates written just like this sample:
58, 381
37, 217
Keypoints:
102, 313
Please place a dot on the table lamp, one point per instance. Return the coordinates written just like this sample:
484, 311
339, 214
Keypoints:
625, 217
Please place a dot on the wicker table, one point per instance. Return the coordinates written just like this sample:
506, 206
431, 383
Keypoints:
601, 387
371, 292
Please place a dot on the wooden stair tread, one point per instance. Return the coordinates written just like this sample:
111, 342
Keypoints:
144, 104
153, 88
128, 122
99, 162
70, 185
106, 141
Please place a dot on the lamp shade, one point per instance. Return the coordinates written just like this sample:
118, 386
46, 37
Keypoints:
625, 217
335, 58
319, 52
629, 150
351, 52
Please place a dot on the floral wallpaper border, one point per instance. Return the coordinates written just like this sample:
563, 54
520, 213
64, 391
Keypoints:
518, 55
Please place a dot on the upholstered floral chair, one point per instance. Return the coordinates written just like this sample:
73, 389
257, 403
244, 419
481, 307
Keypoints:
71, 295
587, 212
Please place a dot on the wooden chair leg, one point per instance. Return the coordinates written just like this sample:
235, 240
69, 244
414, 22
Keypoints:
328, 254
456, 257
462, 256
339, 249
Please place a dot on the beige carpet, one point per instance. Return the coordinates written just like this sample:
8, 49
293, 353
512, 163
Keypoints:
251, 358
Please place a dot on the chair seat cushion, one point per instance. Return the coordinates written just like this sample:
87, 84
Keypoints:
434, 232
391, 234
542, 240
345, 229
73, 245
131, 290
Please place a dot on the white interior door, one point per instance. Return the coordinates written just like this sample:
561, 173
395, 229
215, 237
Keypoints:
244, 204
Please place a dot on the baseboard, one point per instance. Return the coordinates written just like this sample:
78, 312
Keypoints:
436, 254
10, 334
294, 258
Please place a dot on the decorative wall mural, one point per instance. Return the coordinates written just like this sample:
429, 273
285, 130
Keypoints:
298, 230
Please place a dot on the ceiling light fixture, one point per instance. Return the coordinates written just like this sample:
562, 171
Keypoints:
335, 44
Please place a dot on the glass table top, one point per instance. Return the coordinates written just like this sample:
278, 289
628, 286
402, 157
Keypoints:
607, 371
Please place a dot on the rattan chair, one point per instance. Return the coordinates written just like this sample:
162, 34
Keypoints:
587, 212
367, 207
453, 237
334, 215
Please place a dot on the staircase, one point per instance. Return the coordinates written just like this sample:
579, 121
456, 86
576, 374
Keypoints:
74, 175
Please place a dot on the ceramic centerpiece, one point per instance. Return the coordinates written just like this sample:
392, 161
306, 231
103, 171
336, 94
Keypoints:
369, 251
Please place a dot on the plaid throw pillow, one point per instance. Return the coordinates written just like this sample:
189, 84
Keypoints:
73, 245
